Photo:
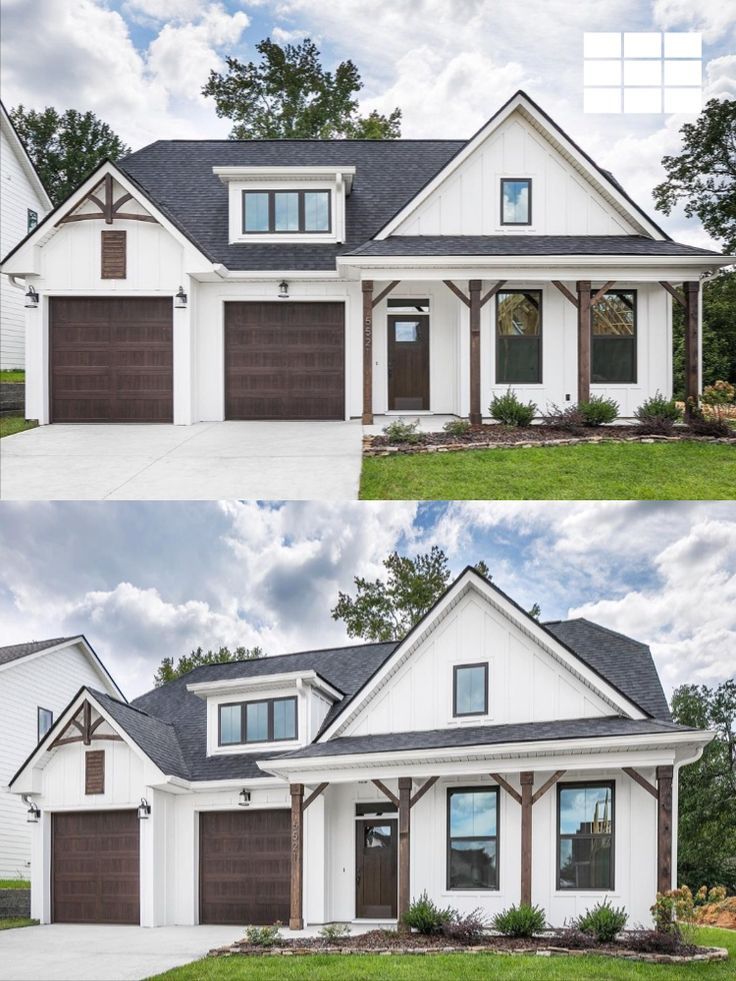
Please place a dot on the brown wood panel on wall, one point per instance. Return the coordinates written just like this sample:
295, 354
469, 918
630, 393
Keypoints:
113, 255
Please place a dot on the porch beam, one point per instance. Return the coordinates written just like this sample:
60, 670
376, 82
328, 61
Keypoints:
367, 352
602, 292
674, 293
384, 292
549, 783
296, 917
108, 199
457, 291
527, 782
474, 288
427, 785
492, 292
87, 723
664, 828
405, 785
566, 292
384, 790
511, 791
314, 795
692, 380
584, 324
638, 778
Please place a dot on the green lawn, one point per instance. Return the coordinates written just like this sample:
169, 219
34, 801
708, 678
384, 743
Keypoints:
15, 884
9, 425
609, 471
12, 375
20, 921
456, 967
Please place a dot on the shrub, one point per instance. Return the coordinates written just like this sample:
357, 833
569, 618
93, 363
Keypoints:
457, 427
674, 912
465, 927
335, 931
704, 425
598, 410
509, 410
719, 393
520, 921
717, 894
570, 418
265, 936
658, 414
654, 942
402, 432
603, 921
574, 939
424, 916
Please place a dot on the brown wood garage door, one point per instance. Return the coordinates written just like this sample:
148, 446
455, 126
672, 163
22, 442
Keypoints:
284, 360
111, 359
244, 867
95, 867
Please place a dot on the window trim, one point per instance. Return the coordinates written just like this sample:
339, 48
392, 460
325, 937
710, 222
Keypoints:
516, 180
31, 226
269, 725
485, 789
455, 669
611, 887
39, 710
540, 336
605, 338
272, 230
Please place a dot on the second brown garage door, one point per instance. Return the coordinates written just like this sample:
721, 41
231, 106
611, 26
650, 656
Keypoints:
111, 359
284, 360
95, 867
244, 867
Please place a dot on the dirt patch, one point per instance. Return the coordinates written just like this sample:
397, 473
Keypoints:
721, 914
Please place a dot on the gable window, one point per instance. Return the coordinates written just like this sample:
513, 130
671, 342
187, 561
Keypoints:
470, 689
31, 219
516, 201
265, 721
585, 835
44, 721
613, 349
519, 337
286, 211
472, 838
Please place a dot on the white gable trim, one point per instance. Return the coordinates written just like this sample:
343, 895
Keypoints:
554, 135
26, 163
471, 580
79, 641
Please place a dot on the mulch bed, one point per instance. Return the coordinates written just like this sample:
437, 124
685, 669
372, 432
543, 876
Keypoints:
392, 942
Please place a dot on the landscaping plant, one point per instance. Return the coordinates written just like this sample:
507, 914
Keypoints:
570, 418
520, 921
266, 936
598, 411
658, 414
335, 931
509, 410
402, 432
425, 916
457, 427
603, 921
465, 927
673, 912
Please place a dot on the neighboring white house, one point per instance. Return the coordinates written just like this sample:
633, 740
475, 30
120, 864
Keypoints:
37, 680
486, 758
23, 203
209, 280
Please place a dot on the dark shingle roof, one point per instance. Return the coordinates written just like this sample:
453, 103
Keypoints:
14, 652
522, 245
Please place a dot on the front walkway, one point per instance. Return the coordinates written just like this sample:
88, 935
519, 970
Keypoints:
206, 461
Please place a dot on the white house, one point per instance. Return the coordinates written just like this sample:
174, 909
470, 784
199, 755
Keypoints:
486, 758
37, 680
23, 203
210, 280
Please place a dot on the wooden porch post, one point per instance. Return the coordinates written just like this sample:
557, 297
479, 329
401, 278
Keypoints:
404, 848
296, 918
692, 381
584, 326
368, 352
664, 828
527, 782
474, 288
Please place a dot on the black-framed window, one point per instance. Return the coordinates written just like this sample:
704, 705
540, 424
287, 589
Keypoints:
613, 349
285, 212
31, 219
519, 337
472, 838
516, 200
44, 721
266, 720
585, 835
470, 689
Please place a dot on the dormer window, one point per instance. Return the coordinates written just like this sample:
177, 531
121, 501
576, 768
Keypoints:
302, 211
516, 201
265, 720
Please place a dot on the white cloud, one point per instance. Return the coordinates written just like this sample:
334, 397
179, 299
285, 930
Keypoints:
720, 78
713, 18
164, 10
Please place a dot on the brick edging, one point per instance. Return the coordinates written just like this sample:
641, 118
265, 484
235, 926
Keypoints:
370, 450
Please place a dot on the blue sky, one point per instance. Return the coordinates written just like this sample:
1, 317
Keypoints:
147, 580
449, 64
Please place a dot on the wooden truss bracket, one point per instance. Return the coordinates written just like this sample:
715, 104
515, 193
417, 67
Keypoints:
314, 795
674, 293
638, 778
384, 292
108, 208
384, 790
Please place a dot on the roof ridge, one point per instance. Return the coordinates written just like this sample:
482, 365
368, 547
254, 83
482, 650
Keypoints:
48, 640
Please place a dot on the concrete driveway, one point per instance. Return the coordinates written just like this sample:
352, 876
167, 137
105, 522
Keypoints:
76, 952
206, 461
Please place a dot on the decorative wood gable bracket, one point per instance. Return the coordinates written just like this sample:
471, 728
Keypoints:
109, 209
87, 729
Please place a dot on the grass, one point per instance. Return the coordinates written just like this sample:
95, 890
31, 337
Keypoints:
19, 921
10, 425
12, 375
456, 967
15, 884
609, 471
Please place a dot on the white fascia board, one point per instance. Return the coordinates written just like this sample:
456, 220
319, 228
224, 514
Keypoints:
265, 172
288, 679
88, 650
25, 161
559, 266
45, 650
178, 785
275, 275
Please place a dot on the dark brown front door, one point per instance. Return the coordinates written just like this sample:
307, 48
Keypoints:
408, 362
244, 867
284, 360
375, 868
111, 359
95, 867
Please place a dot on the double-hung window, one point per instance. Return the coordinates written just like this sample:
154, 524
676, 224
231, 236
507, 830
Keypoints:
470, 689
613, 352
585, 835
264, 721
278, 212
472, 838
519, 337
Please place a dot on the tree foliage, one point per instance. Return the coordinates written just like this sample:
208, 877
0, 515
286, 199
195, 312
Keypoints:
289, 95
719, 333
703, 174
706, 847
65, 147
169, 671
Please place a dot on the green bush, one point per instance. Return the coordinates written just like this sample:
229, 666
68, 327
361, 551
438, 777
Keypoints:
658, 414
265, 936
335, 931
598, 410
569, 418
465, 927
424, 916
520, 921
457, 427
510, 411
402, 432
603, 921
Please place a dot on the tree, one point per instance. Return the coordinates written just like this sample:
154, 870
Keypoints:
706, 843
65, 147
719, 333
703, 174
288, 94
168, 671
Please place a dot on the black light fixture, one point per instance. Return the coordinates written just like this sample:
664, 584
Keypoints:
31, 298
283, 290
33, 813
180, 300
244, 796
144, 810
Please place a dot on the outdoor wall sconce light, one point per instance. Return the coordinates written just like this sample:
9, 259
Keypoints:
244, 796
144, 810
180, 300
33, 813
31, 298
283, 290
